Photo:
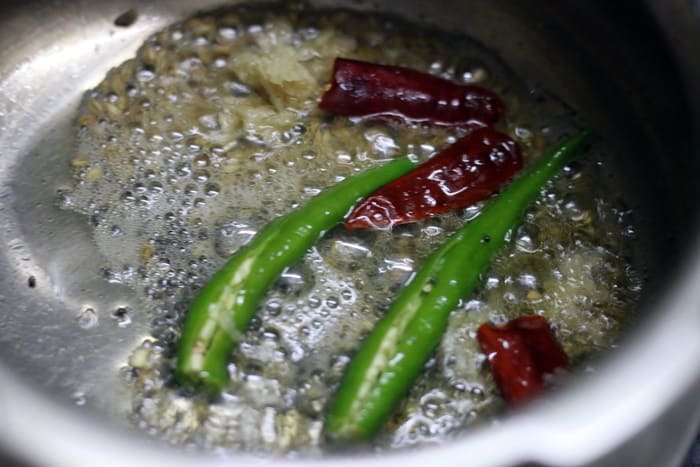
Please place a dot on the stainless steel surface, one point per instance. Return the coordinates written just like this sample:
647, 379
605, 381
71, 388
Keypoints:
641, 408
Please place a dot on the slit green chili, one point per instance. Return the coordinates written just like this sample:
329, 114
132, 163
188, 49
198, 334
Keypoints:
395, 352
221, 311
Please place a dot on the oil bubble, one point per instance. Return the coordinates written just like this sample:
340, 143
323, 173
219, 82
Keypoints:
87, 318
122, 317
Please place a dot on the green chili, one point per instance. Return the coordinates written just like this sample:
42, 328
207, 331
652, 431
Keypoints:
223, 308
394, 354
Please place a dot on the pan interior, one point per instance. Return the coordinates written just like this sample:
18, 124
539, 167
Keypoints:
53, 290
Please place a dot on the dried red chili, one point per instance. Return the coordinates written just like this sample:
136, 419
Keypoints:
465, 172
520, 354
361, 89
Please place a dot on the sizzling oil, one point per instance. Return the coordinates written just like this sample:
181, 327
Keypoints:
212, 131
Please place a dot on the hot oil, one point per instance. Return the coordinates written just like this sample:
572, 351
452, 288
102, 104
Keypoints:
212, 131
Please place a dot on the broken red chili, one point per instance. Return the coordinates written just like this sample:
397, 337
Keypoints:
465, 172
361, 89
520, 354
